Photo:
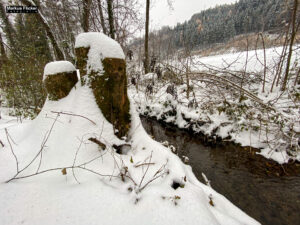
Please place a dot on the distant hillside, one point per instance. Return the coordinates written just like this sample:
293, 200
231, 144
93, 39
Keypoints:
220, 24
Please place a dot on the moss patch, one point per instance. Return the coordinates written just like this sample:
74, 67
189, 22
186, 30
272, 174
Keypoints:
81, 59
110, 90
59, 85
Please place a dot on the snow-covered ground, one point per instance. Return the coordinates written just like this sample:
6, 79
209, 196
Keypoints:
67, 167
53, 198
220, 113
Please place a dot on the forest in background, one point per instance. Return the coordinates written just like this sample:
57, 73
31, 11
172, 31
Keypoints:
219, 25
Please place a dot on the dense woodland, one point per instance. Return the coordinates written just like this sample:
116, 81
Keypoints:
221, 24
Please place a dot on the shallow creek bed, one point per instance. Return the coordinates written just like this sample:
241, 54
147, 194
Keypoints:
265, 190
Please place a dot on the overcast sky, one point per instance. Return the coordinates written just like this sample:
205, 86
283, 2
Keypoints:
161, 15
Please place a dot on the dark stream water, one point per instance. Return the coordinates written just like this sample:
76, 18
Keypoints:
244, 180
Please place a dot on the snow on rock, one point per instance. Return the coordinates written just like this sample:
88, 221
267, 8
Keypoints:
101, 47
58, 67
114, 189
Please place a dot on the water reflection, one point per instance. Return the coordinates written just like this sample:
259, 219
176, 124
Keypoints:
242, 178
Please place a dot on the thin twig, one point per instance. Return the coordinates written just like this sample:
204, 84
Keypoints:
146, 170
72, 114
17, 162
75, 161
144, 164
42, 147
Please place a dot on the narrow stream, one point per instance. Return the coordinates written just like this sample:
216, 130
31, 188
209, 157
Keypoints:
244, 181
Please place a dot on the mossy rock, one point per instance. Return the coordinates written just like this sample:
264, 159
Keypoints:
81, 59
59, 85
110, 90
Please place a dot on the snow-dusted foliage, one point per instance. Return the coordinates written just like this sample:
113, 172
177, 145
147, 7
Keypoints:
218, 108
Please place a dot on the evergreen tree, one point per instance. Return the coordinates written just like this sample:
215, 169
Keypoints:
21, 76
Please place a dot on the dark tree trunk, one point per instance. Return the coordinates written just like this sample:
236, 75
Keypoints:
102, 21
8, 28
111, 18
2, 50
69, 31
293, 35
146, 60
58, 53
86, 15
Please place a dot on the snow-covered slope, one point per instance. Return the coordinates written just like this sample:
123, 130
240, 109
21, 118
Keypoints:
132, 188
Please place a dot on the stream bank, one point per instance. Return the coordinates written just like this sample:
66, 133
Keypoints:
262, 188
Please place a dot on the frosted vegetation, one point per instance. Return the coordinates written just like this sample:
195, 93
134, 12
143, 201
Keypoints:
226, 100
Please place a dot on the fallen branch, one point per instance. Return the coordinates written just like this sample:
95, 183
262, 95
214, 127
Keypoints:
144, 164
96, 141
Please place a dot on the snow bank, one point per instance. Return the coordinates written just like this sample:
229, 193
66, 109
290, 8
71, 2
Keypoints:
68, 178
207, 119
147, 197
101, 47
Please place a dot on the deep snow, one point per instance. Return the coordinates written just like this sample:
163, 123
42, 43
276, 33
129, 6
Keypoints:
54, 198
52, 171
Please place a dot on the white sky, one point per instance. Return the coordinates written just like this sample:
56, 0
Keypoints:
161, 15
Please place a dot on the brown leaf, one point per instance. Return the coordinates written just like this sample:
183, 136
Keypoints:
64, 171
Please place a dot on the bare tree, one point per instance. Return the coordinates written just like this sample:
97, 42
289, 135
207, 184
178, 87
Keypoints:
8, 28
146, 60
2, 50
293, 35
86, 15
57, 51
101, 17
111, 18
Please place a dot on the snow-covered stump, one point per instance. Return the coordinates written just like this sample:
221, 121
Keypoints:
102, 66
59, 79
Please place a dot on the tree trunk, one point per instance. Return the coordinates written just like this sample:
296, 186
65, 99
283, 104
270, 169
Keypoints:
293, 35
58, 53
86, 15
2, 51
102, 21
297, 78
111, 18
146, 60
8, 28
109, 88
